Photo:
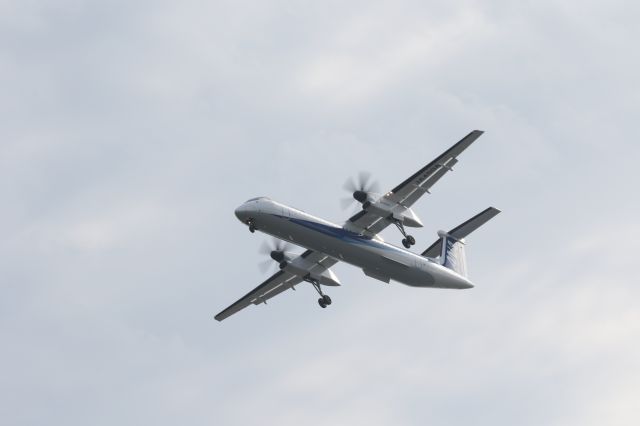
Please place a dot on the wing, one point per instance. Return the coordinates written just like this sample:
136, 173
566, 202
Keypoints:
316, 261
309, 262
410, 190
274, 285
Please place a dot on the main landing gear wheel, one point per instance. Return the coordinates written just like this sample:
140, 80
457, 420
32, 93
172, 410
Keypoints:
324, 300
408, 242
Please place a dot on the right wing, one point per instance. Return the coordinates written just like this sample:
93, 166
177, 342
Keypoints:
409, 191
309, 262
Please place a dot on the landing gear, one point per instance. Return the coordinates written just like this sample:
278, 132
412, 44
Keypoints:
408, 240
252, 225
324, 299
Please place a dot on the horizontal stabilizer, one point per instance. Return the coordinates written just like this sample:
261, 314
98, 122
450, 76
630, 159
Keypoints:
462, 230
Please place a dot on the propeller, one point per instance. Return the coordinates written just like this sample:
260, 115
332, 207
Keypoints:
361, 189
277, 250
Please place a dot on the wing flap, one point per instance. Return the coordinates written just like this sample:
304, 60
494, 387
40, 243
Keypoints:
427, 176
274, 285
419, 191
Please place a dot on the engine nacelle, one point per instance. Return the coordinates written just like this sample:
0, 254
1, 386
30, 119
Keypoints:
398, 212
327, 278
408, 218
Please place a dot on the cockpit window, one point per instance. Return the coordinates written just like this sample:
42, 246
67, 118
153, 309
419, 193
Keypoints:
257, 198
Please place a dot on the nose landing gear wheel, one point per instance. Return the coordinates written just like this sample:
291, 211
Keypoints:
252, 226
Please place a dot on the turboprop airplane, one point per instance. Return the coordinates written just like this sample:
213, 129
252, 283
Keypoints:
358, 242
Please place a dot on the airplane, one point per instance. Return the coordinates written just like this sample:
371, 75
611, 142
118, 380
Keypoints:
357, 242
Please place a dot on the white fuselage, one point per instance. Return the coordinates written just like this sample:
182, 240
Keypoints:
377, 258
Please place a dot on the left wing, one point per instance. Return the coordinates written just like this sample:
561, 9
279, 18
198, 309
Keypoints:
274, 285
411, 189
309, 263
316, 261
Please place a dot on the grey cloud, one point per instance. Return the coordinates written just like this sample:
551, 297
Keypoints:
132, 130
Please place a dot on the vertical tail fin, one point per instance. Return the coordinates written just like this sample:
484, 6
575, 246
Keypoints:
450, 246
453, 256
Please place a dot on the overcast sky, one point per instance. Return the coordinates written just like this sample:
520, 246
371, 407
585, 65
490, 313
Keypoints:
131, 130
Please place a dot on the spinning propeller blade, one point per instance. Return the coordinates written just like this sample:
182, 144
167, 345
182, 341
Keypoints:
277, 251
363, 189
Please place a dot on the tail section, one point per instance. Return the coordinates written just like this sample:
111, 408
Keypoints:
453, 256
450, 246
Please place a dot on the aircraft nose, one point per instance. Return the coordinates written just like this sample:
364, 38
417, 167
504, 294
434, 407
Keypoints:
242, 213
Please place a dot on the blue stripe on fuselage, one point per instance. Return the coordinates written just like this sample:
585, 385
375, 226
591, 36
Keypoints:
333, 231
